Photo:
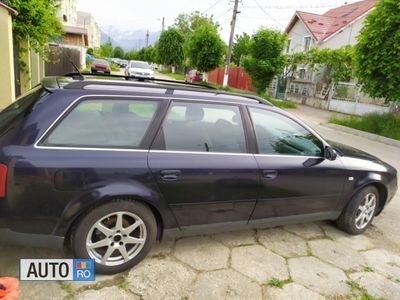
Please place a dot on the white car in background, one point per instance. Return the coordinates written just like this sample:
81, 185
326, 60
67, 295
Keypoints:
140, 69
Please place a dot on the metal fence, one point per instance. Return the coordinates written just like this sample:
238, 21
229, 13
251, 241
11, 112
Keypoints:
348, 98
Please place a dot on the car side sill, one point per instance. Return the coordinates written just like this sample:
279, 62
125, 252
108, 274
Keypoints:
9, 237
252, 224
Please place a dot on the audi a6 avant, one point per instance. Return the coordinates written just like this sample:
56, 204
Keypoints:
106, 167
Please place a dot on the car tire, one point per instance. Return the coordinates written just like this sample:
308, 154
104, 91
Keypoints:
105, 231
360, 211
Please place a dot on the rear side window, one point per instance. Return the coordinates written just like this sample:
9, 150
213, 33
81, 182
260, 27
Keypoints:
104, 124
202, 127
12, 114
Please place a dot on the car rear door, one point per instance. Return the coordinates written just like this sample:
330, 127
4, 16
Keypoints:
202, 165
296, 179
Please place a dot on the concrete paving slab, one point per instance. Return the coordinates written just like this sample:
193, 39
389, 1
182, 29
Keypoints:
292, 291
356, 242
162, 248
41, 290
202, 253
377, 285
318, 276
225, 284
259, 264
282, 242
156, 279
236, 238
337, 254
305, 230
106, 293
383, 262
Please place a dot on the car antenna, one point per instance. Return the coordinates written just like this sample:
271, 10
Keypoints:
80, 76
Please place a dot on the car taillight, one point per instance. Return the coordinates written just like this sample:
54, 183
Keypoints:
3, 180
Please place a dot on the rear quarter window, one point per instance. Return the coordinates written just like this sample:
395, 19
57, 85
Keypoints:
104, 123
13, 114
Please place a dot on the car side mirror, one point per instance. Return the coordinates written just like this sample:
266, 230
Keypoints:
330, 153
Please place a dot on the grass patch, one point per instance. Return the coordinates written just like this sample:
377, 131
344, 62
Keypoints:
360, 292
368, 269
387, 124
278, 282
124, 283
282, 103
67, 288
176, 76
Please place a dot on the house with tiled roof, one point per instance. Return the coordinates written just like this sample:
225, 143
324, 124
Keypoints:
335, 28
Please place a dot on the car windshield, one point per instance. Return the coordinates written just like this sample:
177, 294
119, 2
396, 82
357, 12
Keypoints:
140, 65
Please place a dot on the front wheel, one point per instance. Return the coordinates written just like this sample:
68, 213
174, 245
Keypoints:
117, 235
360, 211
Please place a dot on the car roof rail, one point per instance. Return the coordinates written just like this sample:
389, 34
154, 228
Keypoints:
170, 85
79, 76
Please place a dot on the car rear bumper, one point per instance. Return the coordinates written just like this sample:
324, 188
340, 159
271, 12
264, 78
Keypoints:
9, 237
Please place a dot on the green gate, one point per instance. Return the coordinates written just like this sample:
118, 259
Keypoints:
281, 88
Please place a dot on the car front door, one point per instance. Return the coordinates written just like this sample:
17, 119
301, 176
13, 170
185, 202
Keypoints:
202, 165
296, 179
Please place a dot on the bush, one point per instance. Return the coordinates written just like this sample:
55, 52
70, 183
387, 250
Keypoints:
387, 124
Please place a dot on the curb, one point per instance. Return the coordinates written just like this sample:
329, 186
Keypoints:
364, 134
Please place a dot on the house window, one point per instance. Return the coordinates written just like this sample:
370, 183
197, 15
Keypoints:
288, 45
296, 89
304, 91
302, 73
291, 89
307, 43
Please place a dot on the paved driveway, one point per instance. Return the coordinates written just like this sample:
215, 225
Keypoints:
304, 261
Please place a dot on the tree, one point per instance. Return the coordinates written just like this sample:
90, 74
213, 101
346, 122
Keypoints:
206, 48
106, 49
265, 59
377, 54
131, 54
188, 23
240, 48
118, 52
37, 21
90, 51
170, 47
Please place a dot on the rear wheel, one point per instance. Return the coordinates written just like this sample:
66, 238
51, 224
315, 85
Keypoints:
117, 235
360, 212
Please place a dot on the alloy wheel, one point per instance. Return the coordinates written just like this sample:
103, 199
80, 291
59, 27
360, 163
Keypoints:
116, 238
365, 211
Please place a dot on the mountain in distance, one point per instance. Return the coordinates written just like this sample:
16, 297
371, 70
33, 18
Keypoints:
127, 40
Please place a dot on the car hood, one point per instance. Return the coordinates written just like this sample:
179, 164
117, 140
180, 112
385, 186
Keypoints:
348, 151
147, 71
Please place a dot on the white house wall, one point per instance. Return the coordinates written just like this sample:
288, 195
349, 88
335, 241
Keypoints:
296, 35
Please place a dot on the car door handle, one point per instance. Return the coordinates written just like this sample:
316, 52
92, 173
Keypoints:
270, 174
170, 175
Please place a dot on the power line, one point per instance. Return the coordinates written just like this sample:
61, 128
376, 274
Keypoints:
218, 1
326, 5
268, 15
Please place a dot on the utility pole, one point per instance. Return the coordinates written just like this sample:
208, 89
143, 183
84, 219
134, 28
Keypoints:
162, 26
229, 54
147, 38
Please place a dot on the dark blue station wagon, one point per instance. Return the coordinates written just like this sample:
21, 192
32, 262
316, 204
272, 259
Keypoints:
107, 167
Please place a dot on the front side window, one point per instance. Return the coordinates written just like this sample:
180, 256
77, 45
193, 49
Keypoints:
278, 134
202, 127
104, 123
